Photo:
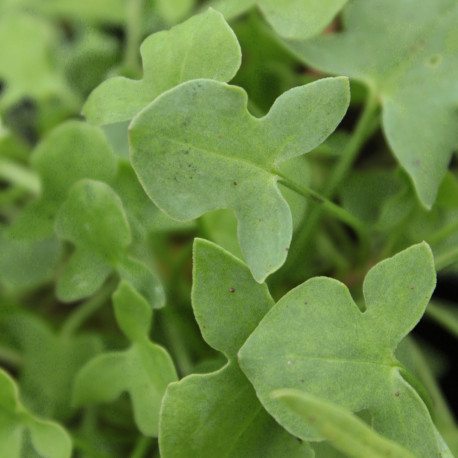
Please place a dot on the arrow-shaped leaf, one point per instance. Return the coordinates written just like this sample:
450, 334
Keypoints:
197, 417
196, 148
316, 339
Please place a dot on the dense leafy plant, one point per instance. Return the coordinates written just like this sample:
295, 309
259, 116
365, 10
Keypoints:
263, 190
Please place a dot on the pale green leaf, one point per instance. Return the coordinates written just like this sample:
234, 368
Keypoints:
49, 439
344, 430
144, 371
408, 56
202, 47
49, 363
193, 155
296, 19
26, 65
72, 151
133, 313
316, 339
197, 416
173, 11
94, 220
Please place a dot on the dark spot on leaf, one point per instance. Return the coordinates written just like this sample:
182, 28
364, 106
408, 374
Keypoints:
232, 289
302, 380
434, 61
396, 394
235, 183
259, 219
287, 249
305, 302
412, 287
220, 136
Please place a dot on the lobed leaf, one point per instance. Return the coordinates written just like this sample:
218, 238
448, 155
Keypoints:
294, 19
198, 412
72, 151
193, 156
409, 58
49, 439
315, 339
144, 370
94, 220
202, 47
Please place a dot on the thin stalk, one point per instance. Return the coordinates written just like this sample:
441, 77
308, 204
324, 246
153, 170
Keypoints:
443, 233
88, 449
134, 36
20, 176
447, 259
10, 357
87, 308
444, 316
353, 146
442, 414
141, 447
363, 129
325, 204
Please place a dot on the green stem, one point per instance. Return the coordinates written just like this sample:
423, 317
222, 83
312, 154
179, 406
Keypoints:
353, 147
443, 417
363, 129
88, 449
141, 447
325, 204
134, 36
446, 259
444, 316
443, 233
87, 308
20, 176
11, 357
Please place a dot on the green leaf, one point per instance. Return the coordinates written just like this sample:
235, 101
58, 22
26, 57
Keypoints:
192, 156
94, 220
290, 18
345, 431
27, 69
72, 151
26, 263
49, 439
218, 414
173, 11
316, 339
408, 57
49, 362
202, 47
144, 370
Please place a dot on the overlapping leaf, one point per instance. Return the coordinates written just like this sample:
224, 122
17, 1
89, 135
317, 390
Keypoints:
144, 370
193, 155
290, 18
202, 47
48, 439
72, 151
345, 431
316, 339
197, 417
408, 56
93, 219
